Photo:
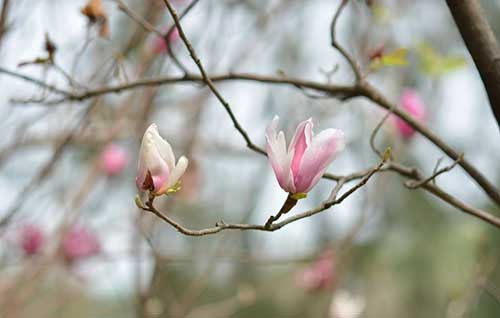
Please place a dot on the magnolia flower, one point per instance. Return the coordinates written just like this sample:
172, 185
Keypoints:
79, 243
299, 168
412, 104
31, 239
157, 171
113, 159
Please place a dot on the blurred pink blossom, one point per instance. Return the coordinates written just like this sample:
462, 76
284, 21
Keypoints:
413, 105
319, 275
158, 43
79, 243
300, 167
113, 159
31, 239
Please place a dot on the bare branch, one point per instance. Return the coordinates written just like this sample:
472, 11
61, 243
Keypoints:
482, 45
168, 34
209, 82
350, 59
4, 13
415, 184
221, 225
137, 18
491, 190
437, 191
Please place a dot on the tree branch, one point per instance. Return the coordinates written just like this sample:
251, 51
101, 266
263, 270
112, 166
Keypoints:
482, 45
371, 93
221, 225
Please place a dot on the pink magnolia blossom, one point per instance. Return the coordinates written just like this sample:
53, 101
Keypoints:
157, 170
159, 45
300, 167
320, 275
31, 239
412, 104
79, 243
113, 159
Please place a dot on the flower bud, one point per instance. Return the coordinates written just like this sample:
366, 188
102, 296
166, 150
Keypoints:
157, 171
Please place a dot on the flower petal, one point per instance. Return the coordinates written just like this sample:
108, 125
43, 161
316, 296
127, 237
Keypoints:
176, 174
278, 156
164, 148
323, 149
300, 141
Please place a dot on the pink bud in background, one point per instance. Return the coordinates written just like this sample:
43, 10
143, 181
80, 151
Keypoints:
31, 239
158, 44
299, 168
413, 105
157, 171
79, 243
113, 159
320, 275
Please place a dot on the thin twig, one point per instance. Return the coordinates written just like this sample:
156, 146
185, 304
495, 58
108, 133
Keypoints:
376, 130
137, 18
418, 184
208, 81
413, 173
37, 82
168, 34
221, 225
334, 42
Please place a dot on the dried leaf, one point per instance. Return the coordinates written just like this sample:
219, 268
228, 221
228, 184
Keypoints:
94, 11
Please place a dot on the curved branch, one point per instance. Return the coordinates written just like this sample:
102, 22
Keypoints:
352, 62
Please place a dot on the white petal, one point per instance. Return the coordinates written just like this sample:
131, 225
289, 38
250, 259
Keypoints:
164, 148
178, 171
278, 156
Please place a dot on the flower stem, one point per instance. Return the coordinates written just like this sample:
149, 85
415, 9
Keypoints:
290, 202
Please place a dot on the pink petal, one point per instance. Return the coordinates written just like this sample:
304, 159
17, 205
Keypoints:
300, 141
413, 105
323, 149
